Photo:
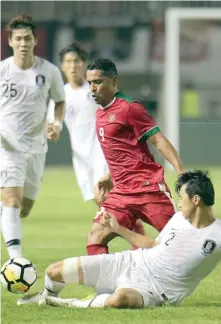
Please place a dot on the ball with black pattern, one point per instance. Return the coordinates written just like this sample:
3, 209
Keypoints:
18, 275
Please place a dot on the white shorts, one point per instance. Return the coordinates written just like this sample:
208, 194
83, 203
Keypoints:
89, 174
24, 170
111, 272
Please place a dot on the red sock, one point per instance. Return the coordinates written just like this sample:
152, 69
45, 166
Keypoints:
138, 228
94, 249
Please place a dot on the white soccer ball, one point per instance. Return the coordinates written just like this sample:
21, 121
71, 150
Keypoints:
18, 275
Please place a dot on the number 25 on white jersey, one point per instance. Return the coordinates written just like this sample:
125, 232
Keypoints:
101, 133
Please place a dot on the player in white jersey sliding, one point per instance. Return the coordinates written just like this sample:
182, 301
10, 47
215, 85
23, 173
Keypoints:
164, 270
88, 160
27, 82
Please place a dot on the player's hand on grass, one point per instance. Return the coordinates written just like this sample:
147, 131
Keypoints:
53, 131
108, 220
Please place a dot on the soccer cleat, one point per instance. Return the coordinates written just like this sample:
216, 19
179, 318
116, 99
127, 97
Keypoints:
56, 301
30, 299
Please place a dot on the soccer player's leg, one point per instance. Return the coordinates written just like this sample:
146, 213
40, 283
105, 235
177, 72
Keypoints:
122, 298
101, 272
83, 270
99, 236
114, 279
158, 209
84, 176
12, 169
85, 180
125, 298
105, 273
34, 174
27, 205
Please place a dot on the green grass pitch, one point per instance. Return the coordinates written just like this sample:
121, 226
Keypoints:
57, 229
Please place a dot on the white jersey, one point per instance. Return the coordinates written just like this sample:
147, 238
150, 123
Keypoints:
24, 101
185, 256
80, 121
88, 159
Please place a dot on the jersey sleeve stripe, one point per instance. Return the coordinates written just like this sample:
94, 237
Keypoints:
149, 133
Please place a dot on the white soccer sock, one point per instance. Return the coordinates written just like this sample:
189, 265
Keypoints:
52, 288
96, 302
11, 230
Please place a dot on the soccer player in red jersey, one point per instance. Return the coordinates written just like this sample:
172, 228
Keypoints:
124, 129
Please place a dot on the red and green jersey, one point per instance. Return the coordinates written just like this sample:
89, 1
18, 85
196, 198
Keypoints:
122, 129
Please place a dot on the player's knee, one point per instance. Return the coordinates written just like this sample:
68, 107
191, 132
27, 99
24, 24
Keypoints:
125, 298
12, 200
119, 300
54, 271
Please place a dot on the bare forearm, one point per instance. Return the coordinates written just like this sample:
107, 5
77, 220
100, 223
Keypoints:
59, 111
138, 240
170, 154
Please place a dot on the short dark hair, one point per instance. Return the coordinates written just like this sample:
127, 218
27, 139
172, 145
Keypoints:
74, 48
197, 183
20, 21
106, 65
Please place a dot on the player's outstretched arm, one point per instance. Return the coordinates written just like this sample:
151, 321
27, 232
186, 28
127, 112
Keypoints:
57, 94
59, 111
133, 238
168, 151
145, 128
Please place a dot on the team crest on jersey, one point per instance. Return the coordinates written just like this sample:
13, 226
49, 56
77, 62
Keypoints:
208, 247
112, 117
40, 80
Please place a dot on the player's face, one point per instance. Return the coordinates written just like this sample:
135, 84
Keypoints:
102, 87
187, 204
22, 42
73, 67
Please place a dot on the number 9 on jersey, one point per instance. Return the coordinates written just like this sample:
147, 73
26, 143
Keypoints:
101, 133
